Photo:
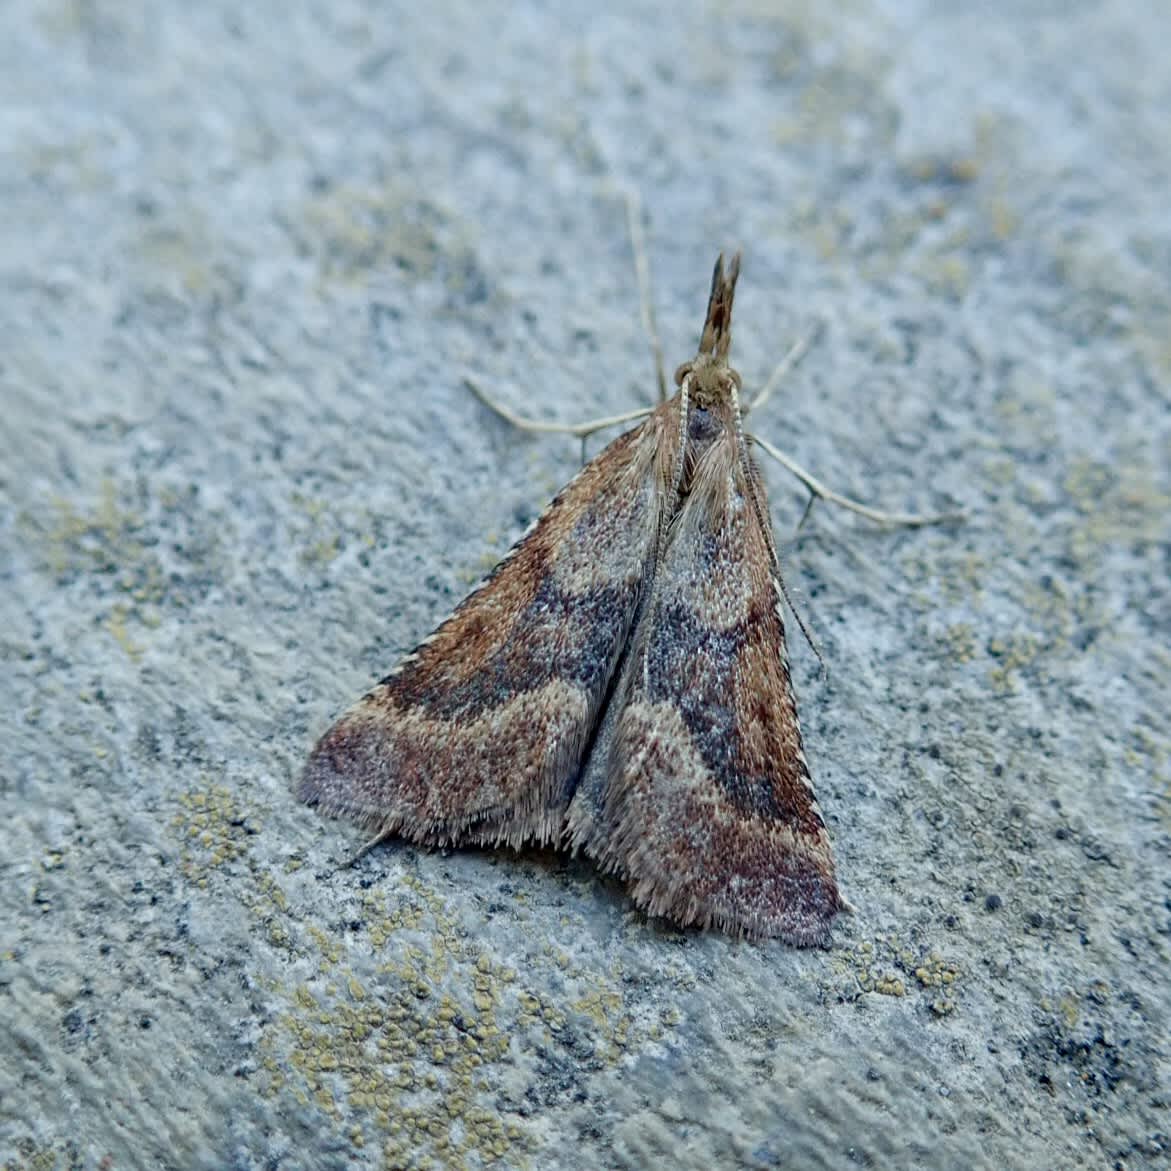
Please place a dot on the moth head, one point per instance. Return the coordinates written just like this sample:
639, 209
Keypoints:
711, 379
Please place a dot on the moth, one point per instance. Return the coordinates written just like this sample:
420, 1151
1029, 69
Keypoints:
619, 684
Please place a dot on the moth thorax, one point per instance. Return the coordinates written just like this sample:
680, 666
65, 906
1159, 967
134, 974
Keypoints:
704, 427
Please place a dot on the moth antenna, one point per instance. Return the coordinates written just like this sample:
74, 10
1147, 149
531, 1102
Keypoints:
646, 301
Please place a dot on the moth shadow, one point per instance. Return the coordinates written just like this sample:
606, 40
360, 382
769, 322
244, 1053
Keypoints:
549, 879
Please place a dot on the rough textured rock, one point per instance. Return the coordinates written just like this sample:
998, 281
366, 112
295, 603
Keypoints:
247, 253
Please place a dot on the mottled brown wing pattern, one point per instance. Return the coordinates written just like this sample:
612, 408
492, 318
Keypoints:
478, 735
708, 807
619, 683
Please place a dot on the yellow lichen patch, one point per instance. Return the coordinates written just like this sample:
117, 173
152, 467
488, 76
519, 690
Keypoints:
97, 538
959, 170
1121, 502
1014, 652
409, 1028
58, 1154
105, 540
873, 977
329, 948
938, 975
108, 539
213, 827
315, 530
273, 895
947, 274
886, 968
614, 1022
956, 576
936, 972
116, 625
1070, 1009
396, 1055
960, 639
360, 229
115, 543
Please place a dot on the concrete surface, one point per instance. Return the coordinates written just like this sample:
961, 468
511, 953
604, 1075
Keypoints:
246, 254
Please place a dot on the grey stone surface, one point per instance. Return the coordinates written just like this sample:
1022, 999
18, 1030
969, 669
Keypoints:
246, 254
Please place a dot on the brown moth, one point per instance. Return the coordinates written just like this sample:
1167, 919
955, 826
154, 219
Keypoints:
618, 685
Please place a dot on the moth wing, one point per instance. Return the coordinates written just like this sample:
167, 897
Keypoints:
705, 802
478, 735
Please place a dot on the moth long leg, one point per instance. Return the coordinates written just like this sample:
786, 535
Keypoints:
818, 489
542, 425
796, 352
642, 272
807, 510
647, 312
366, 847
810, 640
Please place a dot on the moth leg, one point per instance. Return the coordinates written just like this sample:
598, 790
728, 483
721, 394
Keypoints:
543, 425
365, 848
642, 272
814, 646
808, 509
818, 489
796, 352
